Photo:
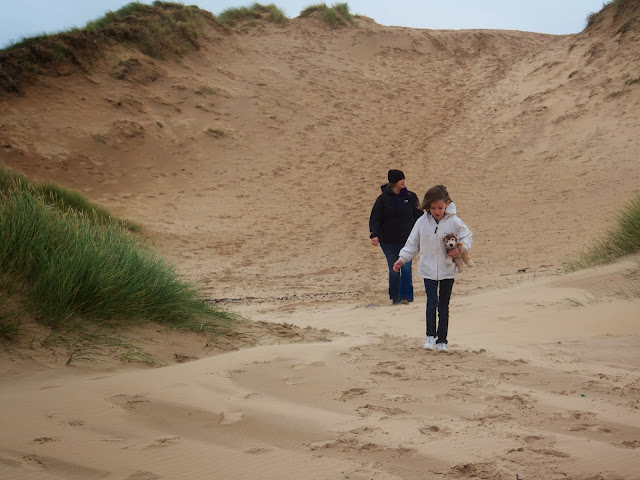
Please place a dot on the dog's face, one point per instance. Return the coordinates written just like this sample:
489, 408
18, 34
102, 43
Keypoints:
450, 241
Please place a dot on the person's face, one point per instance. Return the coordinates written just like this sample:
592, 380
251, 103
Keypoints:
437, 209
400, 184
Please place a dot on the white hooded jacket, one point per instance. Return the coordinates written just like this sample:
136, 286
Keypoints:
426, 238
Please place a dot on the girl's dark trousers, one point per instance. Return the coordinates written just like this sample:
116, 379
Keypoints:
438, 301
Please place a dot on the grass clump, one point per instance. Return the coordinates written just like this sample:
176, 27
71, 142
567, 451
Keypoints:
336, 16
63, 199
67, 267
232, 16
67, 262
621, 240
157, 30
619, 7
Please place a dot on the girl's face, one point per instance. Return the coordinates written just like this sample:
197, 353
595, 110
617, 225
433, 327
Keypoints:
437, 209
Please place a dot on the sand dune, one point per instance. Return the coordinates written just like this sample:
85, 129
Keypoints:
253, 164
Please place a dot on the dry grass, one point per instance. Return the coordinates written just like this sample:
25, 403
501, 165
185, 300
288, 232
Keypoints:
161, 29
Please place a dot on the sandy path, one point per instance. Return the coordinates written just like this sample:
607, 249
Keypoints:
531, 387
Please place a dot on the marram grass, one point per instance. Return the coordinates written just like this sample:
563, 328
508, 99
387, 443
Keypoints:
271, 13
335, 16
67, 267
623, 239
62, 198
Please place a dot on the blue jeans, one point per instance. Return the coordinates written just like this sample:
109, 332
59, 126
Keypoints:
400, 283
441, 304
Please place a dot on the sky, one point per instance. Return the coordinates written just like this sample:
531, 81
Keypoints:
26, 18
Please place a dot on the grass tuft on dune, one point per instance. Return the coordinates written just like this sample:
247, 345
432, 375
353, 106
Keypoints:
622, 239
157, 30
335, 16
232, 16
63, 199
67, 267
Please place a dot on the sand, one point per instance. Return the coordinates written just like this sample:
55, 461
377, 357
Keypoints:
253, 164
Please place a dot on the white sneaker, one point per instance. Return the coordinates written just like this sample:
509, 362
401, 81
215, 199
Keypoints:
442, 347
429, 343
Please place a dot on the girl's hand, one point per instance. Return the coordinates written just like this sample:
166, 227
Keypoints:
397, 265
455, 253
375, 242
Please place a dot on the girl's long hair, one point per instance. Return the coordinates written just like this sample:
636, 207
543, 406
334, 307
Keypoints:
434, 194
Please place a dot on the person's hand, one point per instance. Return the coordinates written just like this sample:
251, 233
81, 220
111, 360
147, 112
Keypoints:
375, 242
455, 253
397, 265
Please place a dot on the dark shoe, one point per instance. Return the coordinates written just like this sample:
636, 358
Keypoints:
404, 301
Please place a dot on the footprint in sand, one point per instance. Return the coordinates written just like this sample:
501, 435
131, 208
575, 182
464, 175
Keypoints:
257, 450
229, 418
252, 395
352, 393
397, 397
294, 380
32, 463
303, 365
140, 475
364, 430
129, 401
164, 442
366, 410
43, 440
429, 429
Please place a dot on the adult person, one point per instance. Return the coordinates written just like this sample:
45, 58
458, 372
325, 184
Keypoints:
392, 217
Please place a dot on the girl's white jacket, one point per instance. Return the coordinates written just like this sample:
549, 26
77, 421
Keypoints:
426, 238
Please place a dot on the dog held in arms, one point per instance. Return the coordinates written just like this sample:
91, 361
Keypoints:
451, 242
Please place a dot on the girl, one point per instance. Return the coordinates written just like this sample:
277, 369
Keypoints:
426, 238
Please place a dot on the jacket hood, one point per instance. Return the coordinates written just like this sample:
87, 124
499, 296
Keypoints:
451, 208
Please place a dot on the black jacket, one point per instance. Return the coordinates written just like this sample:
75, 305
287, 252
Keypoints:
392, 216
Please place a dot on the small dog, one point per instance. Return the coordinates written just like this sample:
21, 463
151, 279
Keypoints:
450, 243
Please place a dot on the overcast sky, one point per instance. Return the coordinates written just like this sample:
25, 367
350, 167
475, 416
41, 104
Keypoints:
25, 18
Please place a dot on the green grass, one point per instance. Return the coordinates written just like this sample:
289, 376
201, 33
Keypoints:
67, 262
335, 16
70, 267
232, 16
157, 30
63, 199
622, 239
10, 318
